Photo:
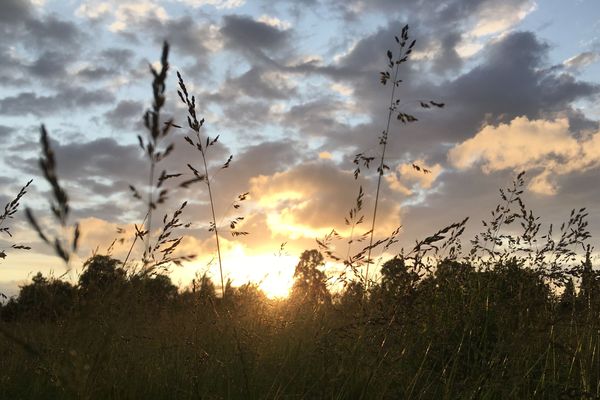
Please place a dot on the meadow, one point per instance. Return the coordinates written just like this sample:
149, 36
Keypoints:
512, 315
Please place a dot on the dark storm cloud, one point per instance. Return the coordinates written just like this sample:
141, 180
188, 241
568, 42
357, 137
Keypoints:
50, 64
103, 157
316, 117
511, 80
447, 59
252, 37
245, 114
30, 103
99, 158
125, 113
20, 22
106, 210
253, 83
54, 32
95, 73
118, 57
53, 44
185, 37
445, 13
264, 158
14, 11
8, 185
110, 63
5, 131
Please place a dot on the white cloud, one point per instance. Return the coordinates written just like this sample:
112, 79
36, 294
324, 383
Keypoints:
501, 16
581, 60
93, 10
123, 13
128, 12
344, 90
406, 178
469, 47
274, 22
227, 4
525, 144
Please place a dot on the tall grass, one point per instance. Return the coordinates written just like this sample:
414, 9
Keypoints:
491, 323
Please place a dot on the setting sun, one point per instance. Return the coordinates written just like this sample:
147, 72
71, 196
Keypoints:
273, 273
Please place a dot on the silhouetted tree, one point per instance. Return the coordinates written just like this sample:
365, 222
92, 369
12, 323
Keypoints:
42, 299
155, 290
101, 273
397, 280
310, 285
204, 288
568, 298
352, 295
590, 282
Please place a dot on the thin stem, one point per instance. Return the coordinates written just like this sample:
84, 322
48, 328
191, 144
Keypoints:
351, 240
150, 195
508, 203
380, 171
133, 244
212, 209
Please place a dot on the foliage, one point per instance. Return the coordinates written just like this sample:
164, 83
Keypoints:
10, 209
460, 332
310, 286
62, 245
404, 50
203, 146
101, 274
158, 253
41, 300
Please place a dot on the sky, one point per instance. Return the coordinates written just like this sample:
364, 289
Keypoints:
292, 88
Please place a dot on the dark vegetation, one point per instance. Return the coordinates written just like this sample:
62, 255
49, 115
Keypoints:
516, 316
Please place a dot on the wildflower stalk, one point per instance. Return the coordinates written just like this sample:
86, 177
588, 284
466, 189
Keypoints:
214, 220
393, 67
383, 142
202, 147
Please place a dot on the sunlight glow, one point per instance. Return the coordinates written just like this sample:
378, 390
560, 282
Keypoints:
273, 273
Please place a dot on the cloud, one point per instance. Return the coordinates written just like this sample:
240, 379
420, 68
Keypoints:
30, 103
52, 32
123, 15
118, 57
510, 78
523, 144
499, 16
245, 33
101, 166
219, 4
309, 200
187, 36
581, 60
257, 82
27, 34
50, 65
93, 9
5, 131
14, 11
406, 179
274, 22
124, 114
